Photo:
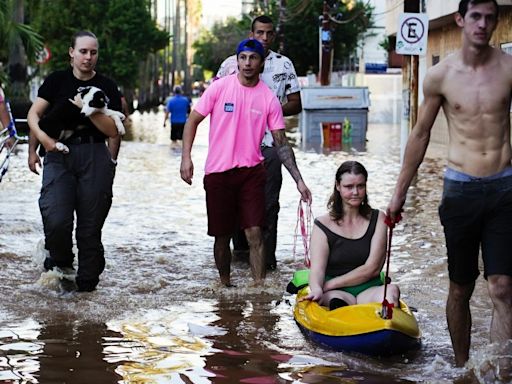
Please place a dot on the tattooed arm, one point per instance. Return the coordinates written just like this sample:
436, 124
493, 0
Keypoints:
287, 157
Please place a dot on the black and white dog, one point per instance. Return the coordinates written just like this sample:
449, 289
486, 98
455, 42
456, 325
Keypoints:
95, 100
60, 122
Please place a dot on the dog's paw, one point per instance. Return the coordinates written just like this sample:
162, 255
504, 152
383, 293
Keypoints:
62, 147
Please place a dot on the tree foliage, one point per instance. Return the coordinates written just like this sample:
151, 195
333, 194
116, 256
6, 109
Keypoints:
125, 30
11, 33
214, 46
299, 32
302, 25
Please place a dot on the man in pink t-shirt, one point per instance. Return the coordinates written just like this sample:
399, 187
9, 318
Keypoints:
240, 108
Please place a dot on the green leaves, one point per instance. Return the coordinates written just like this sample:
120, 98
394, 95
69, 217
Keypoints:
125, 30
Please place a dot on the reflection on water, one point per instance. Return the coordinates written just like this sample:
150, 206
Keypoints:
159, 314
19, 347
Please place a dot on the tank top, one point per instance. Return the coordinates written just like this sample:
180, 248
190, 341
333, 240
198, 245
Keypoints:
347, 254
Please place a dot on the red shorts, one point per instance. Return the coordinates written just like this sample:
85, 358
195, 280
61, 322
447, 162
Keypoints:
235, 199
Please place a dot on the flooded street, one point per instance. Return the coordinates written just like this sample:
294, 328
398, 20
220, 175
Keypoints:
159, 314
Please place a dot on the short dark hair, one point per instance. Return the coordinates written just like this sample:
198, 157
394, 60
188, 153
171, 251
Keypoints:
82, 34
463, 5
335, 204
261, 19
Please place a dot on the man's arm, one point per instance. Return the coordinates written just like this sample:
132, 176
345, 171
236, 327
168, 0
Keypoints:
416, 144
287, 157
293, 105
166, 115
189, 134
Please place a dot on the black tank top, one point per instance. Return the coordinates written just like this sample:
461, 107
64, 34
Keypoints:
348, 254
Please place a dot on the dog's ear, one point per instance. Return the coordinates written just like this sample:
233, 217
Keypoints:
83, 91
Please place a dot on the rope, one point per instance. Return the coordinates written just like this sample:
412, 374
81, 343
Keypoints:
387, 308
305, 230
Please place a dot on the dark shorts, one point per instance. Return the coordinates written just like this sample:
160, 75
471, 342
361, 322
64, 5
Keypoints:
476, 213
235, 198
177, 131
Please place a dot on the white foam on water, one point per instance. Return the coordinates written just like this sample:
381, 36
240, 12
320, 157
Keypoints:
39, 254
493, 363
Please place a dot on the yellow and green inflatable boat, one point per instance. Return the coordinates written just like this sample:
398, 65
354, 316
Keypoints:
356, 328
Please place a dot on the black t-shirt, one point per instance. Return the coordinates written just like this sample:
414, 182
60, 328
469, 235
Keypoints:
62, 85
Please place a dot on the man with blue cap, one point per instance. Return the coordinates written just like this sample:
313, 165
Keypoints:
280, 76
240, 108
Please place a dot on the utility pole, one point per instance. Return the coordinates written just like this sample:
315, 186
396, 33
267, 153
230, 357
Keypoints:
326, 53
410, 66
280, 25
186, 67
176, 42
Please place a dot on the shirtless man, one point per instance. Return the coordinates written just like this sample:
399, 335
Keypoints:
474, 88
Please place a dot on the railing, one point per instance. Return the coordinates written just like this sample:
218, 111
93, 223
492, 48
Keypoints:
6, 136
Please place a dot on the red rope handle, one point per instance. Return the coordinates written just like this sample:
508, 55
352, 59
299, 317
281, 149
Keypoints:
387, 308
304, 222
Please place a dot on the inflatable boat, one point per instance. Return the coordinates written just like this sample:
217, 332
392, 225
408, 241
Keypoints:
358, 328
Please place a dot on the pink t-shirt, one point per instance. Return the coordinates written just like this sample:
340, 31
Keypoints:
239, 117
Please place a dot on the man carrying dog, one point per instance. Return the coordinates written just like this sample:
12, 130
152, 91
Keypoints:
81, 181
240, 108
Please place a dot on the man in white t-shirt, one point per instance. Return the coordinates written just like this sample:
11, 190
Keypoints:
241, 108
279, 75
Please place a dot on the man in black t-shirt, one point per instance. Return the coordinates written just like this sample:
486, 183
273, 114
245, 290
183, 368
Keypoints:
79, 181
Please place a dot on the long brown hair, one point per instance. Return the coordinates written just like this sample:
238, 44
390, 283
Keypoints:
335, 204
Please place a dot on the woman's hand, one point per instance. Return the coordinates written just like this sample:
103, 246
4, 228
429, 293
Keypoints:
77, 100
315, 294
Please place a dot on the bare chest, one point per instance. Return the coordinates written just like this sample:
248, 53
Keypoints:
478, 93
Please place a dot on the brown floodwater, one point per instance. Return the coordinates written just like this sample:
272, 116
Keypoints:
159, 314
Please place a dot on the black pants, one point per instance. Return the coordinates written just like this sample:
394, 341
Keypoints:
272, 191
79, 182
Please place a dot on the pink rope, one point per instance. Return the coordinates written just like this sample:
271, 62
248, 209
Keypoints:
304, 223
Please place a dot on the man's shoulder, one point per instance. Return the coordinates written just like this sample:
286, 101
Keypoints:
506, 61
438, 72
228, 67
229, 59
272, 55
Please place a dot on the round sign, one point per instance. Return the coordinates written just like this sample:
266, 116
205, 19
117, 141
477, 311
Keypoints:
412, 30
43, 56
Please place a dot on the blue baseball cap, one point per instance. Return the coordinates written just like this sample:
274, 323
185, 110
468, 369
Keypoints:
251, 45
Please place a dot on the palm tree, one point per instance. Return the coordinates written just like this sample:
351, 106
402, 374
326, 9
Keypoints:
21, 45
